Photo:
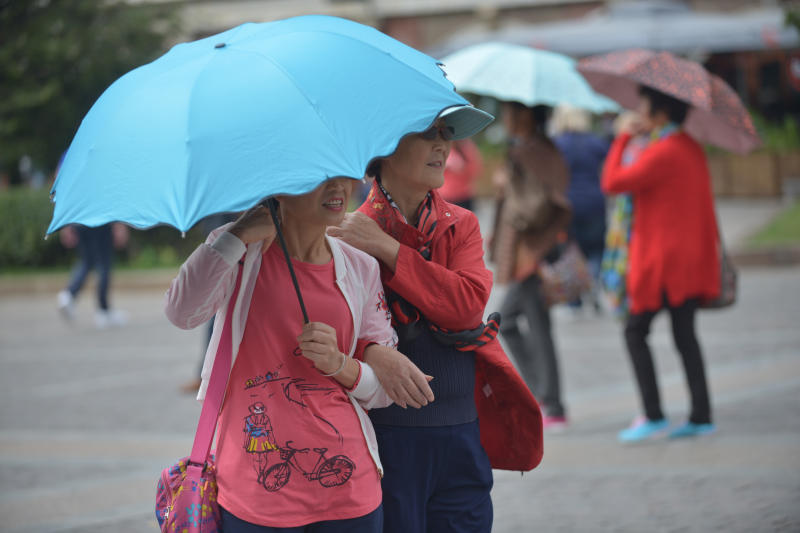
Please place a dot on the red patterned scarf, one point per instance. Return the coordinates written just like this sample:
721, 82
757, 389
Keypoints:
405, 317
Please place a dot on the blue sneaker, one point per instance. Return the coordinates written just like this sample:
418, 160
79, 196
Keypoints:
643, 429
690, 429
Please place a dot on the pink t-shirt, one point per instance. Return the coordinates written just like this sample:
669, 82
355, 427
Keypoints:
280, 412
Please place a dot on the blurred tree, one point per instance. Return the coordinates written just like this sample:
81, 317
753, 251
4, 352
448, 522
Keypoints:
793, 18
57, 57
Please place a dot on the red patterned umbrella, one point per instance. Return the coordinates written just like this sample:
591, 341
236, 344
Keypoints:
717, 115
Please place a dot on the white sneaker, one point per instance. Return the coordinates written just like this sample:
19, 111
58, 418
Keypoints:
66, 305
109, 319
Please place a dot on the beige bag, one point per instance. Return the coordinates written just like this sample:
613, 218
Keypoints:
565, 279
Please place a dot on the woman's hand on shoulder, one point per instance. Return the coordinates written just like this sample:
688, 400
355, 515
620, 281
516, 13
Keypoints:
254, 225
360, 231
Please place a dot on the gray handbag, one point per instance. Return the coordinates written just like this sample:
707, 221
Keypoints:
728, 280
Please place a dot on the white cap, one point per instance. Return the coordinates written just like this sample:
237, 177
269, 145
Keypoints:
466, 120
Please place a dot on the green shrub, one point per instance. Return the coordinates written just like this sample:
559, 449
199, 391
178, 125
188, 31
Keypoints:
161, 246
24, 217
784, 229
25, 214
778, 136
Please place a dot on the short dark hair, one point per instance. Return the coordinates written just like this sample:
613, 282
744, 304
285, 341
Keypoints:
539, 115
675, 109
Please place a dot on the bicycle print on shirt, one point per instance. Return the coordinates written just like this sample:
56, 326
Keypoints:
260, 440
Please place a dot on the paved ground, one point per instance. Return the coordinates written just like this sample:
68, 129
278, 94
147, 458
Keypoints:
88, 419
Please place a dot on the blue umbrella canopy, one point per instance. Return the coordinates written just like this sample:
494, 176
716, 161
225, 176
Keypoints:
219, 124
523, 74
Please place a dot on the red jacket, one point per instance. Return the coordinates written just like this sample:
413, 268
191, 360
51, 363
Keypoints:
451, 290
674, 244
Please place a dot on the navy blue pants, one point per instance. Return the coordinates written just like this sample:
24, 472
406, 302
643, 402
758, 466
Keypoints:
436, 479
369, 523
96, 249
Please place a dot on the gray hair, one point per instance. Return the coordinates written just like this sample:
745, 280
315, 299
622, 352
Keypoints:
569, 118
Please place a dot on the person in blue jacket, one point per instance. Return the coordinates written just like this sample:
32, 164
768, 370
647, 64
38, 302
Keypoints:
585, 153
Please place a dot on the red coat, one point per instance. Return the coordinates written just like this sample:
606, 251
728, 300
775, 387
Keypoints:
674, 245
451, 290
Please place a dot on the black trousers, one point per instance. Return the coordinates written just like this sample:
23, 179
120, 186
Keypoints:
637, 329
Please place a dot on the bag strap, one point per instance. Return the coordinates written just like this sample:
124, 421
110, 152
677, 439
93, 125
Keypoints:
720, 240
209, 414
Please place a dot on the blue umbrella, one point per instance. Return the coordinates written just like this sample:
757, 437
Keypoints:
219, 124
523, 74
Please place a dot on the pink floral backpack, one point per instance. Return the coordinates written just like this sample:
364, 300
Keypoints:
186, 494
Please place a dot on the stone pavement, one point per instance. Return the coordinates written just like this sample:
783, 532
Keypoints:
88, 418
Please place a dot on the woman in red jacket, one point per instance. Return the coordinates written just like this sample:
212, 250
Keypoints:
674, 261
437, 472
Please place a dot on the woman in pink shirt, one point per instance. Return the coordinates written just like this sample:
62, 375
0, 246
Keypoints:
294, 445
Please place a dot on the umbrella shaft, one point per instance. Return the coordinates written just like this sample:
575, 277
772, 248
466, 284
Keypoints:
272, 204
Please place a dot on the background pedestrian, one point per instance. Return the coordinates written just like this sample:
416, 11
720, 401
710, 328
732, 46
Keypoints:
674, 256
461, 170
96, 252
533, 216
584, 153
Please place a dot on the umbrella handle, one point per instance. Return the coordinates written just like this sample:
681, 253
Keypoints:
272, 204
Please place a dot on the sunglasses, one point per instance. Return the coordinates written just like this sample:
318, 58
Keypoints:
447, 133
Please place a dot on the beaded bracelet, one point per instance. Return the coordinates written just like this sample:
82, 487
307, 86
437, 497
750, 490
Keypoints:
341, 367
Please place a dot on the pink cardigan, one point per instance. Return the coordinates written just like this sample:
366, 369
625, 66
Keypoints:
206, 281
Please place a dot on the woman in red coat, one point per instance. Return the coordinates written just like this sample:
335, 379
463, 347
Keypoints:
674, 261
438, 459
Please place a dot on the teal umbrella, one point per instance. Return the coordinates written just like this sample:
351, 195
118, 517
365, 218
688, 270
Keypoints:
522, 74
